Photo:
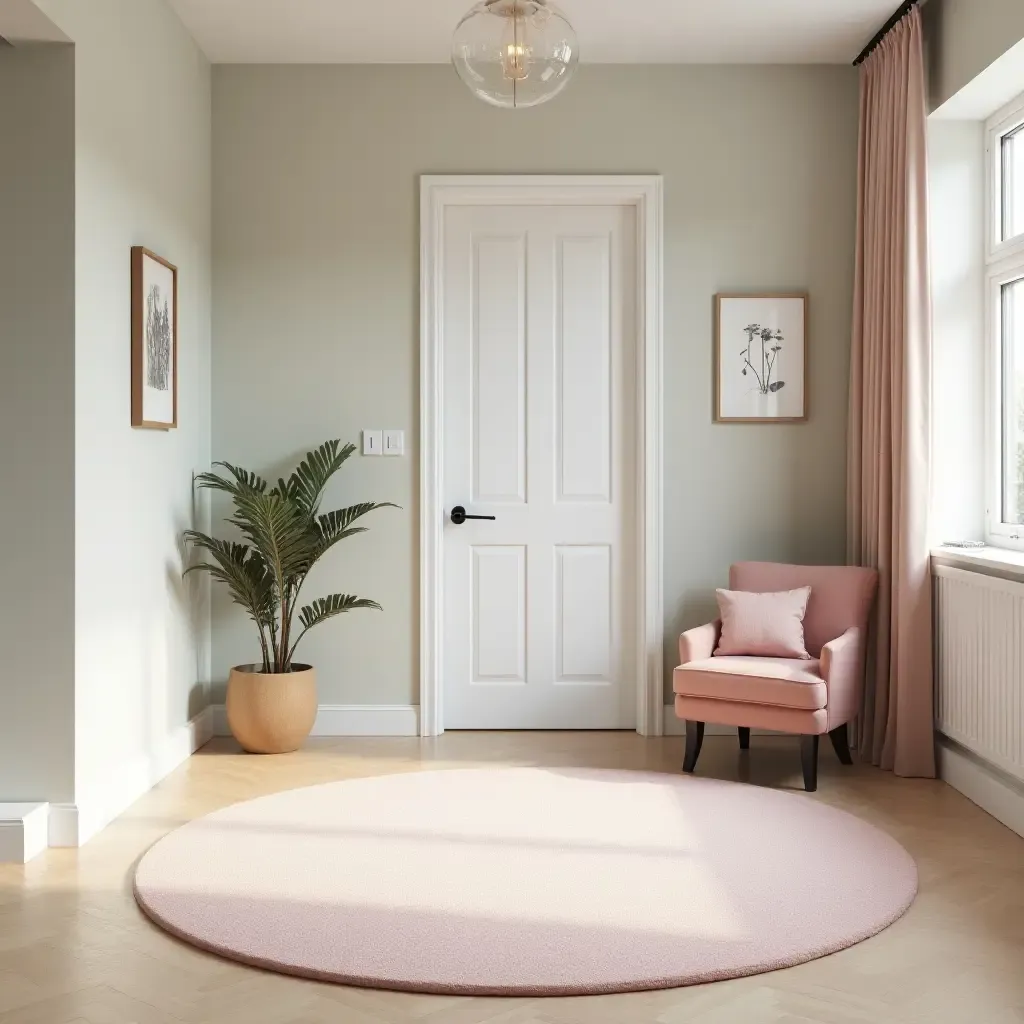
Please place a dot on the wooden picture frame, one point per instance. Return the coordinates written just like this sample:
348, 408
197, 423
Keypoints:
747, 385
154, 361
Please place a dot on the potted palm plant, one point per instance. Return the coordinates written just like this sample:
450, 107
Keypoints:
271, 705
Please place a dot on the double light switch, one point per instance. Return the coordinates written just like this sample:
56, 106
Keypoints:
383, 442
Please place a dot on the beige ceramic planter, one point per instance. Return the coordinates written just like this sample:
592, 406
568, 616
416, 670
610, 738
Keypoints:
269, 713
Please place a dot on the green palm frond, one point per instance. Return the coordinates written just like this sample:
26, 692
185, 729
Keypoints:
247, 578
336, 526
243, 480
279, 531
324, 608
285, 488
242, 569
306, 485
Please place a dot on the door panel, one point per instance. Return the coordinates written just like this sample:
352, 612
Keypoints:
539, 345
498, 606
583, 604
498, 434
583, 355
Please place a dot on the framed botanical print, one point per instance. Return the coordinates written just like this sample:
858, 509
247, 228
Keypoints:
761, 359
154, 341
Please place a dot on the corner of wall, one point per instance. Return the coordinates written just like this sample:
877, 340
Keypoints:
102, 799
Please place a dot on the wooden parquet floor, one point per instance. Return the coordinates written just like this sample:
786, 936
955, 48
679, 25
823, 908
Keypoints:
74, 949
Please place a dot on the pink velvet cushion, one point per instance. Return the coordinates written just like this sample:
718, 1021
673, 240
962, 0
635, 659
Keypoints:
763, 625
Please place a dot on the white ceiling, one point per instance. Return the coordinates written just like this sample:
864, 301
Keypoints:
610, 31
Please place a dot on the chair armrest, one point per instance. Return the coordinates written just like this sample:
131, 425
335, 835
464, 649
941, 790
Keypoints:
699, 643
842, 658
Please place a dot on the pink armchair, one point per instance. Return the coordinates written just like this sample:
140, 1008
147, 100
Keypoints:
808, 698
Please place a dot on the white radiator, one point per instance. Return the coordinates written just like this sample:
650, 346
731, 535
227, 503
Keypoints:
979, 642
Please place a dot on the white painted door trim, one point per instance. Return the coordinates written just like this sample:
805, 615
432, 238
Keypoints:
645, 194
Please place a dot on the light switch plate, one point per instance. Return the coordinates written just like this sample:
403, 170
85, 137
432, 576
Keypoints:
373, 442
394, 442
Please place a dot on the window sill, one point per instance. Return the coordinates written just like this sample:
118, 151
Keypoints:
1003, 562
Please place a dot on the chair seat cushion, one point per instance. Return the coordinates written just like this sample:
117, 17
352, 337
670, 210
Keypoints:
780, 682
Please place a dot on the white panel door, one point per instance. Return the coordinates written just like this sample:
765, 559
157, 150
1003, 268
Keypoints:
539, 350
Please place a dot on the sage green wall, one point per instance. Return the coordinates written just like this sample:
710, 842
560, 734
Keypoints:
37, 422
316, 299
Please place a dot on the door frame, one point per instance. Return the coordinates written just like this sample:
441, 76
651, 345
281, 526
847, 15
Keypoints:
645, 194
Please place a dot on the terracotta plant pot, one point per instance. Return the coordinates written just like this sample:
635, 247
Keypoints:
271, 713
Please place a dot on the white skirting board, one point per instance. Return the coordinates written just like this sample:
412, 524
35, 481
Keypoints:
404, 720
22, 832
348, 720
991, 789
96, 806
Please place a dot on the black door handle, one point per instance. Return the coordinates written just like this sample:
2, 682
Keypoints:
459, 516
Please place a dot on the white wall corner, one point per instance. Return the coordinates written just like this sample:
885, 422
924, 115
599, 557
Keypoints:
63, 825
23, 831
103, 800
348, 720
991, 789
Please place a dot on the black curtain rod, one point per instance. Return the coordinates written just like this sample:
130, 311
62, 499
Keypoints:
885, 30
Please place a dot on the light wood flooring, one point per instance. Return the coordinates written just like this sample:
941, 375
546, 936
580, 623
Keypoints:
74, 949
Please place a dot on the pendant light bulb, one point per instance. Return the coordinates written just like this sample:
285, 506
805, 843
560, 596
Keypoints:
515, 62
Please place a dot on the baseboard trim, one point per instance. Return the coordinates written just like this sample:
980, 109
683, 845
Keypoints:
23, 831
991, 789
102, 801
348, 720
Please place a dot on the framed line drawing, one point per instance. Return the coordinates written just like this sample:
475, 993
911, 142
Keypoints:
154, 341
761, 358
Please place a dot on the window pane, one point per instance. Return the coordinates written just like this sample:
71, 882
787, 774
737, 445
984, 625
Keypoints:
1013, 184
1013, 402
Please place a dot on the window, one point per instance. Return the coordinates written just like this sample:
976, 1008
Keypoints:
1012, 412
1006, 327
1012, 174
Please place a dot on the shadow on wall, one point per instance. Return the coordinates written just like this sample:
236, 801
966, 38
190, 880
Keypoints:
934, 16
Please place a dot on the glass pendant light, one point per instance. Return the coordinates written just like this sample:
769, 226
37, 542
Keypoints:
515, 53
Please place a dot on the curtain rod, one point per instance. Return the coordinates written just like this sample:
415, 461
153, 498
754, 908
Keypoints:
897, 17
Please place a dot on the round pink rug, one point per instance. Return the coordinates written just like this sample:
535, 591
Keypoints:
534, 881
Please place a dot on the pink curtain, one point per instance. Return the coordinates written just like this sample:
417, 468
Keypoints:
890, 414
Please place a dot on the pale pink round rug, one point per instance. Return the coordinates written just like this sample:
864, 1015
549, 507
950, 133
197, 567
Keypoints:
526, 881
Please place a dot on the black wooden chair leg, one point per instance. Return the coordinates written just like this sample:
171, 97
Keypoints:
809, 761
694, 739
744, 737
841, 742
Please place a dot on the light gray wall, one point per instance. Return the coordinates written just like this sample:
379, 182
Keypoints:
37, 422
317, 296
964, 37
143, 108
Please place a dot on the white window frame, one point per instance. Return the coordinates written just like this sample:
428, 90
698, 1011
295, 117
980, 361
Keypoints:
1005, 264
1000, 124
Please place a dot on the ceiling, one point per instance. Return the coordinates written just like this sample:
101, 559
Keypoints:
610, 31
